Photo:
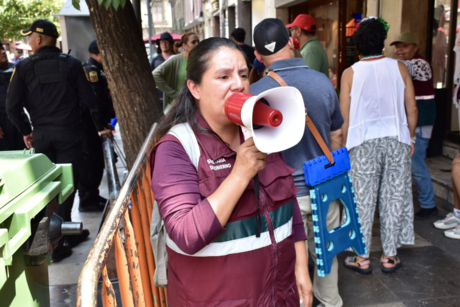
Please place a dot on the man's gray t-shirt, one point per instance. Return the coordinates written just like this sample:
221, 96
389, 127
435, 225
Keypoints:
323, 107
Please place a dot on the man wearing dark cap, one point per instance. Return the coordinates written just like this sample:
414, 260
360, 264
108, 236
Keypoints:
304, 28
10, 138
164, 50
275, 49
51, 86
92, 159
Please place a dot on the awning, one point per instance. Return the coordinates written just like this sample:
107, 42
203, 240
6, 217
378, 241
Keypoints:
175, 37
22, 46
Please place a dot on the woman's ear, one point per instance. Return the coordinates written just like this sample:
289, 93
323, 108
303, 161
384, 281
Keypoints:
193, 88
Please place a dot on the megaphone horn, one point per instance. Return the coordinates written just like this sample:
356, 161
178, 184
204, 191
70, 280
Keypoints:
262, 114
281, 121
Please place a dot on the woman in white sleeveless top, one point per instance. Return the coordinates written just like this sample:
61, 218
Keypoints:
378, 105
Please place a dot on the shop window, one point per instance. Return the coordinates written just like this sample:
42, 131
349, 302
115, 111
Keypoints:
326, 14
157, 13
354, 13
442, 17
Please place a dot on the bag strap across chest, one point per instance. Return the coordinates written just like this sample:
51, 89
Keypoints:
308, 121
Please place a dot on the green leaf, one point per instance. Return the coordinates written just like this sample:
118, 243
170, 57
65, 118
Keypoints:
100, 2
76, 4
116, 4
123, 3
107, 3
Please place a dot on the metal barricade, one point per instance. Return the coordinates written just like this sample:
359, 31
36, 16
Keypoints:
135, 264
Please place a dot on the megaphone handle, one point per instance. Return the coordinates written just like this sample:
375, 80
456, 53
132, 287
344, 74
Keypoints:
256, 189
246, 132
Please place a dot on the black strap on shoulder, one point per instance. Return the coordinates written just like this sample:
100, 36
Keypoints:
256, 189
41, 77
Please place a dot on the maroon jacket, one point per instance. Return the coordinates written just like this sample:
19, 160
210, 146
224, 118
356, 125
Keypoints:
214, 266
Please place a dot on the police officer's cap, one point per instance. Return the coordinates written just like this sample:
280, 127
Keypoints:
93, 47
43, 27
165, 36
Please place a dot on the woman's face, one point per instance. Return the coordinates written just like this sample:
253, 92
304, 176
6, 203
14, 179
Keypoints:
227, 74
191, 42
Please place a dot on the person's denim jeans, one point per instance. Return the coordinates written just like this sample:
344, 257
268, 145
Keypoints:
421, 175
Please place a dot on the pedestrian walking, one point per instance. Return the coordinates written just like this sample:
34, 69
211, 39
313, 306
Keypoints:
376, 94
165, 49
216, 255
10, 138
51, 86
276, 50
92, 158
406, 47
171, 75
304, 28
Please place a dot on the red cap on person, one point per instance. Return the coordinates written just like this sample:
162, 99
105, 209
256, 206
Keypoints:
304, 22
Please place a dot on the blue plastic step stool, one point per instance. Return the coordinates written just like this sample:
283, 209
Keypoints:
331, 182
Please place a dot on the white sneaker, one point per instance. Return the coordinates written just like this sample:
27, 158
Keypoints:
450, 221
453, 233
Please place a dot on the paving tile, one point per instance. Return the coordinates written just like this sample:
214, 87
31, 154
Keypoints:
91, 220
363, 290
438, 302
388, 305
66, 295
435, 236
427, 273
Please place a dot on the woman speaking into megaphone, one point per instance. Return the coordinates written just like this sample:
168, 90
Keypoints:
231, 240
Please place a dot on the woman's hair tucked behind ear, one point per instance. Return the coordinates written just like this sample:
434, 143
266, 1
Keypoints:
185, 107
370, 37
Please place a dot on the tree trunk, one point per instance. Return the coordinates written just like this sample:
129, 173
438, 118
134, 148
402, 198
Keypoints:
127, 68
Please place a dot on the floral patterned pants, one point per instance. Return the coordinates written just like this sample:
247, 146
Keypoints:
381, 173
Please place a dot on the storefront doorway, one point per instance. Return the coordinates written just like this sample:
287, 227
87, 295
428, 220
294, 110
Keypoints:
443, 31
336, 22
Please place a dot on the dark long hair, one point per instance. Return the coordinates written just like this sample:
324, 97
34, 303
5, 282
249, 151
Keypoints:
184, 108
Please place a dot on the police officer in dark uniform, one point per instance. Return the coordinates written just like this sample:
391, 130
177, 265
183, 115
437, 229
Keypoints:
10, 138
92, 162
51, 86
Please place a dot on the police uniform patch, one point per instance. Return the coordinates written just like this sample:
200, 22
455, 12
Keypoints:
93, 76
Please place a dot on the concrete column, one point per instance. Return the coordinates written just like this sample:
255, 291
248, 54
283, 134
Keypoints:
373, 8
244, 19
222, 20
416, 20
231, 20
258, 13
270, 10
405, 16
391, 11
283, 15
216, 26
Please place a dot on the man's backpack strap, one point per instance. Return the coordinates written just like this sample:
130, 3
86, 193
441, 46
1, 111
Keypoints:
184, 133
308, 121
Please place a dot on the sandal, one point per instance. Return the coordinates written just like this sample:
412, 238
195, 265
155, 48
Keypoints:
359, 264
390, 261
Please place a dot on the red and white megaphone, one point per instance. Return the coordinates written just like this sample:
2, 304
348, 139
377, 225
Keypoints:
274, 118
